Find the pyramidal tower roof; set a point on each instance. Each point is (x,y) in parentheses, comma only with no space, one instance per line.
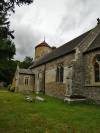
(44,43)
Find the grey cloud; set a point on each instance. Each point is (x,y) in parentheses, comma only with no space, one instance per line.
(80,14)
(29,23)
(26,39)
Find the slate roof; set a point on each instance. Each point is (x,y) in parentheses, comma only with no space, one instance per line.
(95,44)
(60,51)
(68,48)
(25,71)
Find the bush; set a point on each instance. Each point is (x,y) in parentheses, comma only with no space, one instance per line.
(11,88)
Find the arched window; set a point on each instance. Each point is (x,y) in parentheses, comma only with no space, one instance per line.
(26,80)
(96,71)
(97,68)
(59,73)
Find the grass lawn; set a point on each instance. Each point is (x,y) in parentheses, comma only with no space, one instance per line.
(52,116)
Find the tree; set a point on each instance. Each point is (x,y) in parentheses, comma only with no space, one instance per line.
(7,6)
(7,48)
(7,70)
(7,65)
(28,61)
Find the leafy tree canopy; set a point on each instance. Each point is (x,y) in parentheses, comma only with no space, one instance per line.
(7,6)
(28,61)
(7,48)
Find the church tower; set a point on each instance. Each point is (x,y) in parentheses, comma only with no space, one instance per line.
(41,50)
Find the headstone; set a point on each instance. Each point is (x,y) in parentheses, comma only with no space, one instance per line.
(28,98)
(40,99)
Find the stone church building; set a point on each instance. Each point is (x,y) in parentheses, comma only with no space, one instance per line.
(71,71)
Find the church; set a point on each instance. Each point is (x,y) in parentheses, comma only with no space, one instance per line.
(71,71)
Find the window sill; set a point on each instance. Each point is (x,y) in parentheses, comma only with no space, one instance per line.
(92,85)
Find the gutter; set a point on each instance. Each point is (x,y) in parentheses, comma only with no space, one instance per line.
(73,51)
(92,50)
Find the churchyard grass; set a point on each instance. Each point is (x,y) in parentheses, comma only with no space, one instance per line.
(51,116)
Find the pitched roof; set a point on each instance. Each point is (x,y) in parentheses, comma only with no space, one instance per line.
(60,51)
(95,44)
(42,44)
(25,71)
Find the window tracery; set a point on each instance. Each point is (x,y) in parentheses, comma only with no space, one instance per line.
(97,68)
(59,73)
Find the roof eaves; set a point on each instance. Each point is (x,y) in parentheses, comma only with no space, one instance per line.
(53,59)
(26,73)
(92,50)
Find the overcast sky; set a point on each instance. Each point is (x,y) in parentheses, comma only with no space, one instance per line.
(58,20)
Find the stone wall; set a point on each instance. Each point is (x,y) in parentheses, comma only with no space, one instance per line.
(41,51)
(56,89)
(83,82)
(89,68)
(92,92)
(91,88)
(21,84)
(77,77)
(52,66)
(52,87)
(82,76)
(38,71)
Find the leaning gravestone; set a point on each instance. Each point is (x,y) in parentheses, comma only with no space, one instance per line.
(40,99)
(28,98)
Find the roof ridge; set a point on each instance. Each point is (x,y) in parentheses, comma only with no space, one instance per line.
(88,40)
(75,38)
(62,50)
(25,71)
(67,43)
(94,45)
